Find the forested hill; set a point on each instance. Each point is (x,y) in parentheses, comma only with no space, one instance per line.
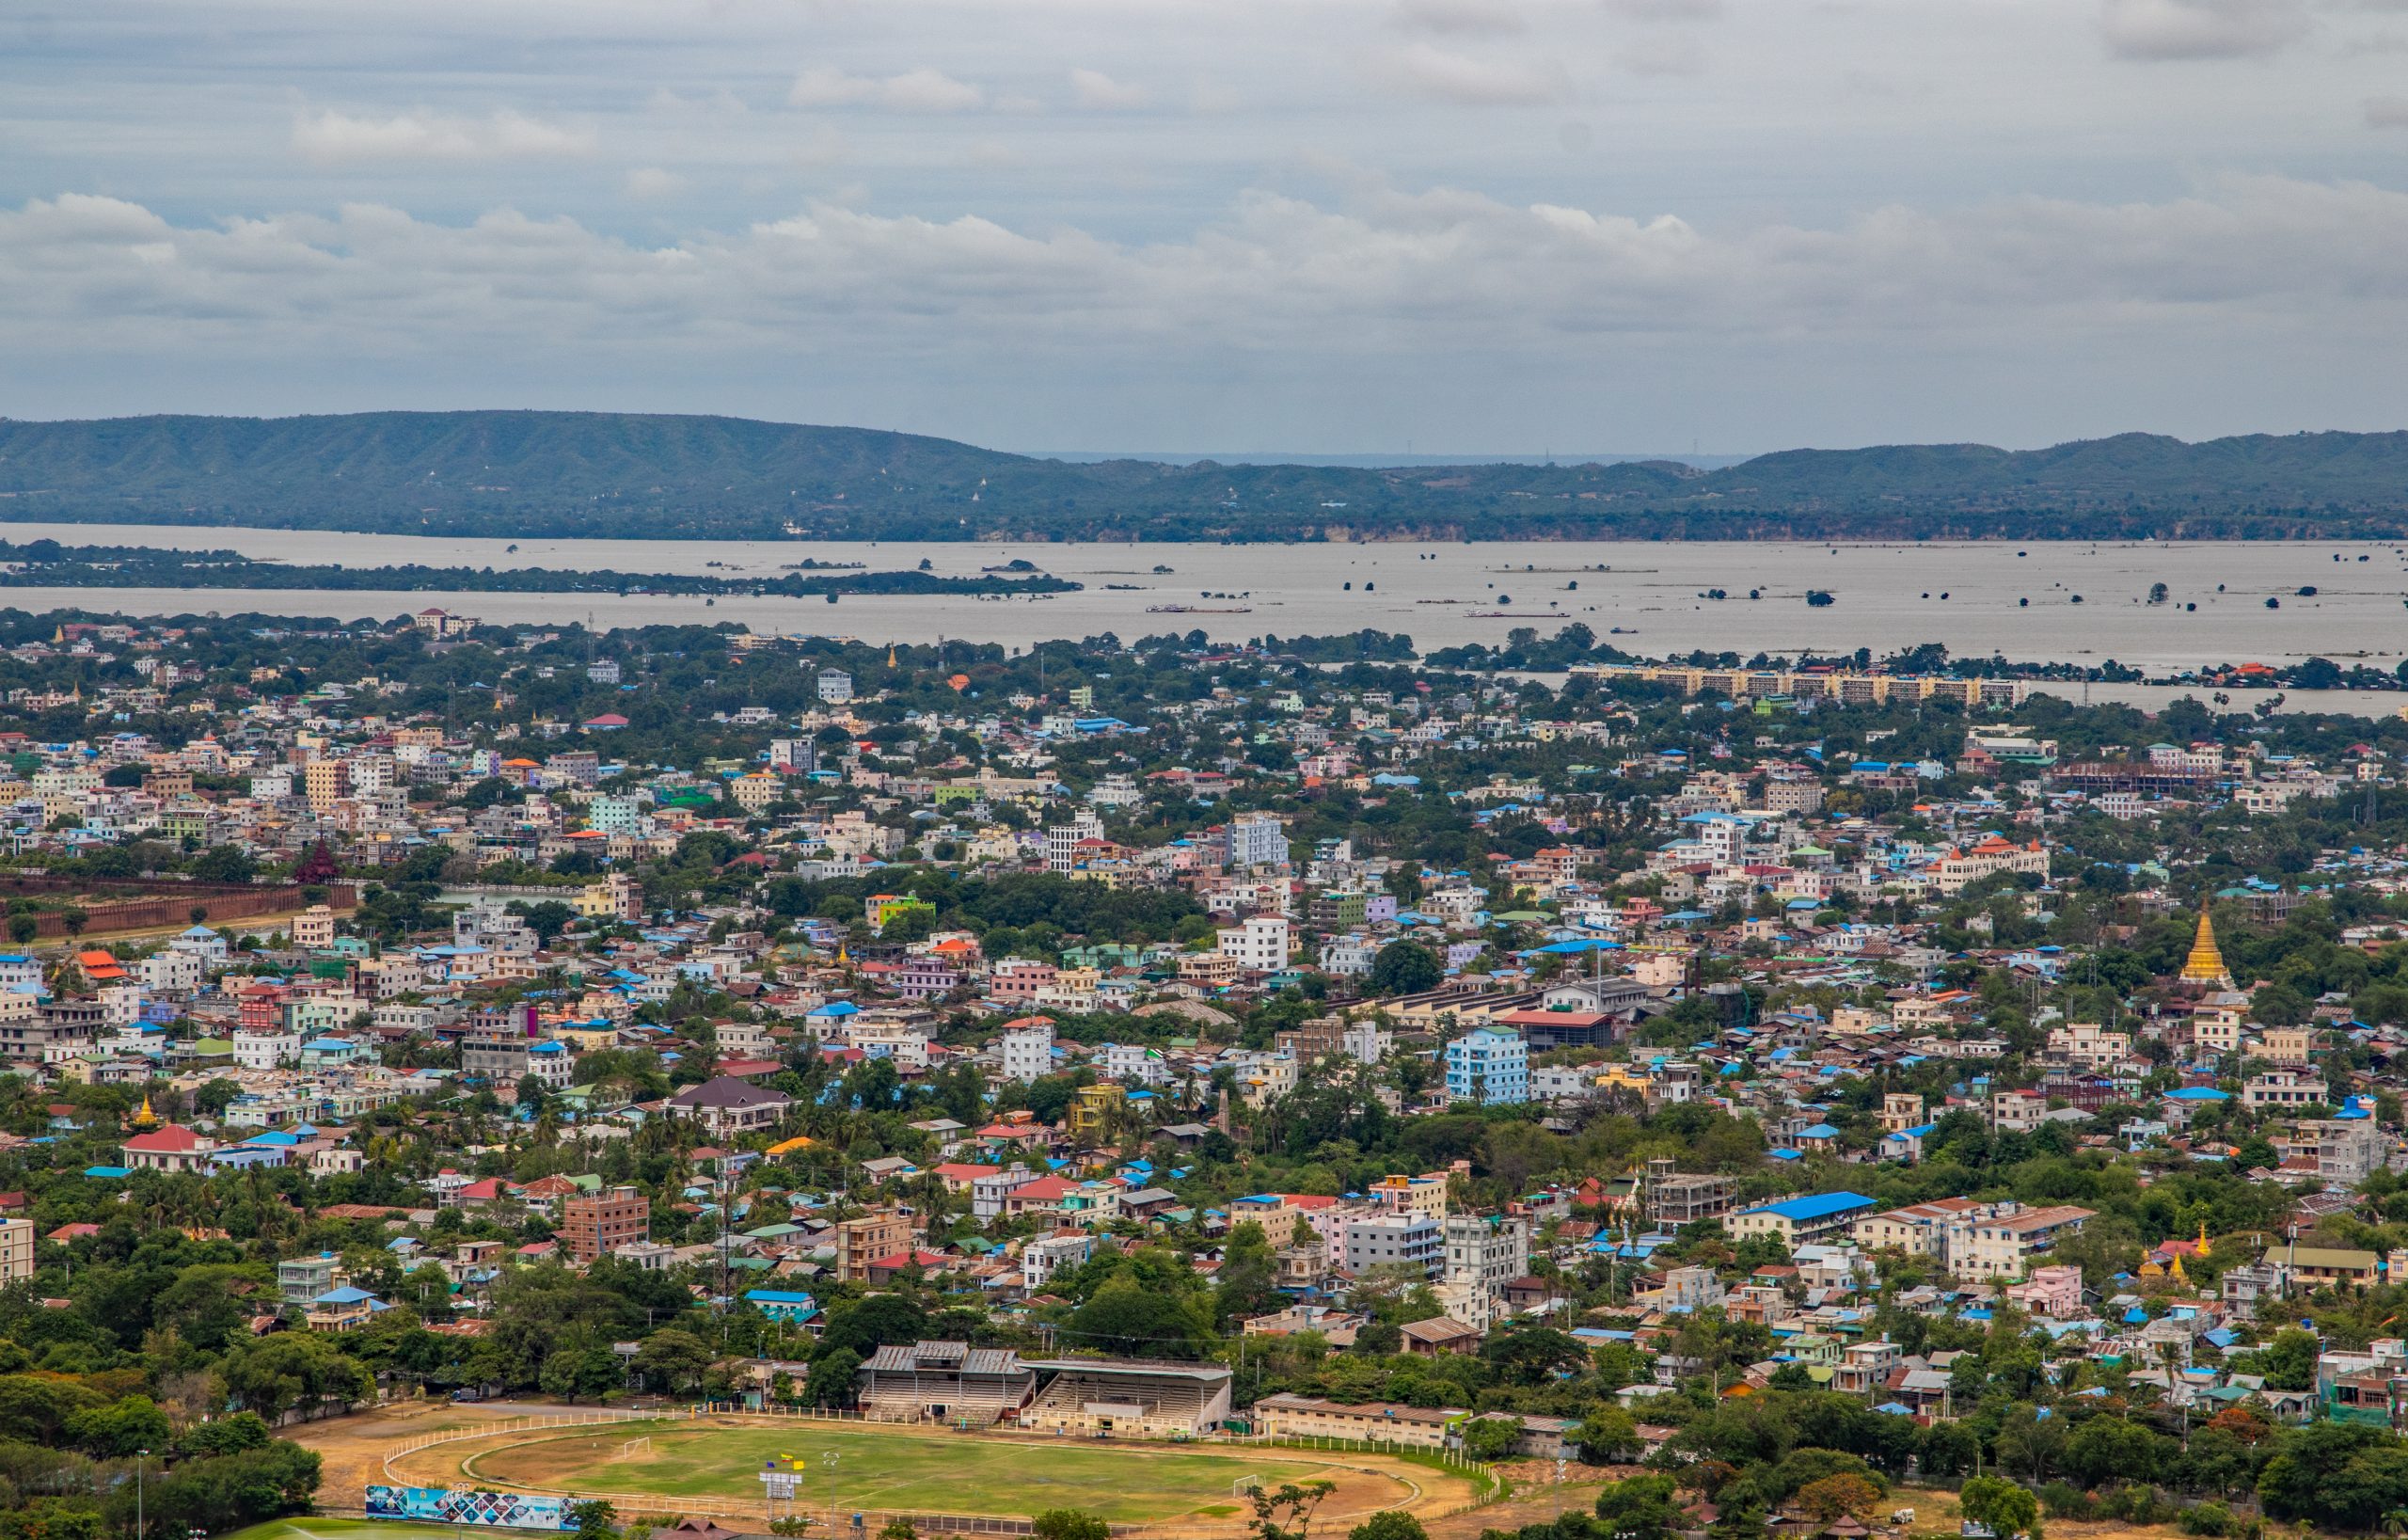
(593,473)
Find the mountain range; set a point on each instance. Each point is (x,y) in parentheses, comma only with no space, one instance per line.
(552,474)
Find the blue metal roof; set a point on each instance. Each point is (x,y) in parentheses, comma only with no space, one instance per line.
(1815,1206)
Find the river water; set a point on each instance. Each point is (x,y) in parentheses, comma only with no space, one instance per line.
(1978,598)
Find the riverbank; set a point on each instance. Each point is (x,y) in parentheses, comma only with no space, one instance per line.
(47,563)
(1979,599)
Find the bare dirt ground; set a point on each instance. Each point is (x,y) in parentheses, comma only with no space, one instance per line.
(354,1447)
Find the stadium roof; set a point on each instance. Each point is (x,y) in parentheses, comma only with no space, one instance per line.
(1128,1366)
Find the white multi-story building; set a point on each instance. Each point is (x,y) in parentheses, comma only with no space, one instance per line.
(1134,1064)
(1257,944)
(171,972)
(2005,1240)
(906,1045)
(2282,1089)
(1062,839)
(1483,1254)
(1028,1051)
(1364,1041)
(1256,839)
(1040,1259)
(988,1193)
(835,686)
(267,1047)
(1413,1239)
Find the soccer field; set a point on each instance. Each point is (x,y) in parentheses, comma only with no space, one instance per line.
(891,1469)
(315,1528)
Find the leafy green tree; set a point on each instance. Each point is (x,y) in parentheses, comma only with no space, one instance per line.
(1491,1438)
(2111,1450)
(50,1518)
(673,1359)
(1248,1282)
(869,1323)
(1127,1318)
(1608,1435)
(1405,967)
(1641,1508)
(1286,1512)
(1069,1524)
(1533,1355)
(832,1378)
(1389,1524)
(116,1431)
(2289,1361)
(294,1370)
(2001,1507)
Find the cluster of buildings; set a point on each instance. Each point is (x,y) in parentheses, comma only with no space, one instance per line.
(1712,904)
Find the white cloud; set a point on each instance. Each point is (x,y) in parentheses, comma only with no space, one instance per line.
(1666,10)
(1491,16)
(1429,70)
(2201,29)
(336,138)
(989,155)
(2387,111)
(1094,88)
(914,90)
(1662,54)
(651,182)
(1389,273)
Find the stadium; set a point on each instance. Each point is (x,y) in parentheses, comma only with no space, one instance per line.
(951,1437)
(965,1386)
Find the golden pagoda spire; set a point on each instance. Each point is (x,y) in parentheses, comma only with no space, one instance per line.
(890,654)
(2175,1272)
(2205,965)
(146,1118)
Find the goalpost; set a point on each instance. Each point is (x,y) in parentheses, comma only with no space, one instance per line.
(1246,1486)
(635,1446)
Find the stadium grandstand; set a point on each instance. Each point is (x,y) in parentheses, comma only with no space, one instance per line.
(944,1382)
(1128,1398)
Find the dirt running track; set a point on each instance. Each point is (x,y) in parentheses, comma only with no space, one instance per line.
(356,1449)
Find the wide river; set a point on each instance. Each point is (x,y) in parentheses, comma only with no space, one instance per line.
(1976,597)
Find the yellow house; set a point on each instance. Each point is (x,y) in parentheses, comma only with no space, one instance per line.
(1622,1077)
(1092,1109)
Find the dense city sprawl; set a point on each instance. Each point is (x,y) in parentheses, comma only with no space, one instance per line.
(1791,1099)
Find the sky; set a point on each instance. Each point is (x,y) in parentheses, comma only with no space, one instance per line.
(1319,226)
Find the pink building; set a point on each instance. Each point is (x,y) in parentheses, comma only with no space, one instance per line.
(2054,1292)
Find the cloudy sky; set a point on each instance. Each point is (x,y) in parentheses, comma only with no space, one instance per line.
(1312,225)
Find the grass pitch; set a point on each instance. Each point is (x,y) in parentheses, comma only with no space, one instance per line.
(314,1528)
(886,1468)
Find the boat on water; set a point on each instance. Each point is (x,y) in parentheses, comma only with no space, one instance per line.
(1196,609)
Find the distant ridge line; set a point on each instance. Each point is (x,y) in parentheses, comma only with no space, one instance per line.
(518,475)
